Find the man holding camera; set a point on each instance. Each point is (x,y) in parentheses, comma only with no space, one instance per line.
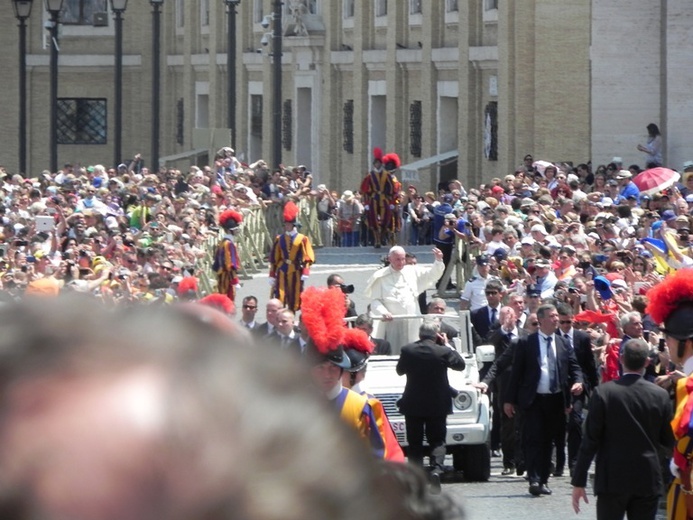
(335,280)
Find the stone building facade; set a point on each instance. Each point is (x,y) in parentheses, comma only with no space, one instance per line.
(472,84)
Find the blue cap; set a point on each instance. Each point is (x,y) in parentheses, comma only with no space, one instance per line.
(668,215)
(482,260)
(533,290)
(603,287)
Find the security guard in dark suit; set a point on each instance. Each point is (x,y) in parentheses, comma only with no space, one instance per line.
(426,401)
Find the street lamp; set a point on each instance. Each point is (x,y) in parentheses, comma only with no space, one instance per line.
(231,68)
(22,10)
(118,7)
(156,76)
(277,84)
(54,7)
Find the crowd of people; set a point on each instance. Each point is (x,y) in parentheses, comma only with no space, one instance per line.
(565,258)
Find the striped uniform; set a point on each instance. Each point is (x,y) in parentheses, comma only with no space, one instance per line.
(226,263)
(379,190)
(682,424)
(290,259)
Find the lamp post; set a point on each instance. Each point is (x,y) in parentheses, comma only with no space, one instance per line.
(277,84)
(118,7)
(54,7)
(156,77)
(231,69)
(22,10)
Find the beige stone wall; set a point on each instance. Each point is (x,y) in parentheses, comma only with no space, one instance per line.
(576,79)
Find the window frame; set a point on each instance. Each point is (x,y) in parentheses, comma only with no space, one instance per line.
(101,138)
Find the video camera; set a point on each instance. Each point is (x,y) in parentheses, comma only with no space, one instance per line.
(346,289)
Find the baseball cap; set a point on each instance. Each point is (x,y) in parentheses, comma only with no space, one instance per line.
(603,287)
(482,260)
(539,228)
(668,215)
(533,290)
(447,198)
(542,262)
(529,241)
(623,174)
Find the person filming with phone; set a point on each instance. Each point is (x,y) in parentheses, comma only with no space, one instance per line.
(426,401)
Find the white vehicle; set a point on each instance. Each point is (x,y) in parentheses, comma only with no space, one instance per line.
(468,427)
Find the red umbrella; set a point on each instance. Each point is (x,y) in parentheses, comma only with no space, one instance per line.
(655,180)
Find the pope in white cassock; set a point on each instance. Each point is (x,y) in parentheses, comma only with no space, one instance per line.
(394,290)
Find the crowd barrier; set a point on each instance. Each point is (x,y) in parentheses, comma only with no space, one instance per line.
(260,226)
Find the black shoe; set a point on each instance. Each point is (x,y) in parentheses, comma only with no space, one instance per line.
(434,479)
(520,470)
(534,489)
(507,471)
(558,473)
(544,490)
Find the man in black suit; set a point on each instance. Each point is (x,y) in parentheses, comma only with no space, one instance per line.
(544,374)
(271,309)
(382,346)
(497,378)
(484,319)
(426,401)
(438,306)
(285,335)
(627,428)
(248,312)
(581,344)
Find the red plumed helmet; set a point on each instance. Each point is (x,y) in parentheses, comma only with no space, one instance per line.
(220,302)
(391,161)
(186,285)
(378,154)
(290,212)
(671,304)
(322,314)
(357,339)
(229,219)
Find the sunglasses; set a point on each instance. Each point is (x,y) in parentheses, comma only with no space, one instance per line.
(565,322)
(250,307)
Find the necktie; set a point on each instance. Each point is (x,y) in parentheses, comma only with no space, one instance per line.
(493,315)
(551,358)
(567,338)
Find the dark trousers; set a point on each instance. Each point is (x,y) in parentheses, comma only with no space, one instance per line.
(435,429)
(520,448)
(559,443)
(497,424)
(575,419)
(543,419)
(615,506)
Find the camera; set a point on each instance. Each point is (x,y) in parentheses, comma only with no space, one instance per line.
(265,23)
(264,41)
(450,222)
(347,289)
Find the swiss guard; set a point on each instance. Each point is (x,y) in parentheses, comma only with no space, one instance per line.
(226,260)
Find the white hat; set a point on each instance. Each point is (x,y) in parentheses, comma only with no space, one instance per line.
(607,201)
(623,174)
(541,229)
(528,241)
(619,283)
(617,160)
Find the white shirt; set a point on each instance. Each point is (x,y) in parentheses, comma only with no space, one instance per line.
(543,387)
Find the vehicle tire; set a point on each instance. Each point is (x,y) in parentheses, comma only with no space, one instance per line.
(474,461)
